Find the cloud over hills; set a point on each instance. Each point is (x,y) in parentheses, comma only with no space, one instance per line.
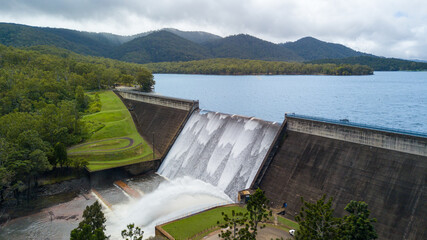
(388,28)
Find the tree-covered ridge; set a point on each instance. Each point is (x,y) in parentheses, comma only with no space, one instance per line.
(248,47)
(41,101)
(310,48)
(169,45)
(226,66)
(17,35)
(378,63)
(160,46)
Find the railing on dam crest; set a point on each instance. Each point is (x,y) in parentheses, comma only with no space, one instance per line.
(345,122)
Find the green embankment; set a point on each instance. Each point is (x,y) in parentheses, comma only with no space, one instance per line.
(287,223)
(203,223)
(188,227)
(114,140)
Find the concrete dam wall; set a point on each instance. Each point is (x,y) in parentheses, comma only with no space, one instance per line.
(223,150)
(158,118)
(386,170)
(304,157)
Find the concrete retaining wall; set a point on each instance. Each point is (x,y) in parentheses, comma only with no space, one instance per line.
(392,182)
(269,156)
(108,176)
(375,138)
(158,123)
(171,102)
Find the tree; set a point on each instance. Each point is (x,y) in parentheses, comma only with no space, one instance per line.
(92,226)
(316,220)
(132,233)
(259,211)
(358,225)
(127,79)
(60,154)
(145,79)
(82,101)
(232,224)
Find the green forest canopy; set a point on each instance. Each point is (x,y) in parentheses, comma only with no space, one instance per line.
(228,66)
(378,63)
(41,101)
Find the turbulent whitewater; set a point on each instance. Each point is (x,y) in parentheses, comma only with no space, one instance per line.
(223,150)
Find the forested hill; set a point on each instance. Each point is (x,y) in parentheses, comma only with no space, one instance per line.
(312,49)
(160,46)
(248,47)
(80,42)
(168,45)
(171,45)
(378,63)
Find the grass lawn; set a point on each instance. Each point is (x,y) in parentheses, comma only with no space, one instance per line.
(287,222)
(188,227)
(112,132)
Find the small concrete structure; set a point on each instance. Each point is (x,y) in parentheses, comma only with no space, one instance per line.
(165,101)
(244,196)
(130,191)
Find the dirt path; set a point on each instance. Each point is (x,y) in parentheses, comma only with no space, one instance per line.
(131,142)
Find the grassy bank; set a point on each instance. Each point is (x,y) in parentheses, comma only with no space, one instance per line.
(188,227)
(114,140)
(199,225)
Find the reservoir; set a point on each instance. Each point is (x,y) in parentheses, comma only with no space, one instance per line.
(387,99)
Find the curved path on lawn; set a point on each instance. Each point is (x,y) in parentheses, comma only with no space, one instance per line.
(131,142)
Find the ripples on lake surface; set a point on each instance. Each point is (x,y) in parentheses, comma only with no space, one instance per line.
(388,99)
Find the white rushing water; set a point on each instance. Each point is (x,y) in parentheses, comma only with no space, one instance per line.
(223,150)
(171,200)
(215,156)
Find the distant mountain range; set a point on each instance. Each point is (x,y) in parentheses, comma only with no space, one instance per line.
(169,45)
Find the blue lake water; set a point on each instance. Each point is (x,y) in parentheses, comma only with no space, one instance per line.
(388,99)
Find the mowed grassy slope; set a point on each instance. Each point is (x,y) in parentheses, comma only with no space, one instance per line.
(110,145)
(190,226)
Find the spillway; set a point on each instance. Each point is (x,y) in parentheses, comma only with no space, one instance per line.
(223,150)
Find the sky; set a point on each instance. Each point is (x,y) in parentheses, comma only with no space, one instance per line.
(389,28)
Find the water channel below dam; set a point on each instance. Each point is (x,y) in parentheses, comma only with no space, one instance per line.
(161,200)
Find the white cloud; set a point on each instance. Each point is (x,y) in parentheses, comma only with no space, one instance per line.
(392,28)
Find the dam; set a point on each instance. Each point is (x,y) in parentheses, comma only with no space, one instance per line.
(303,157)
(204,158)
(385,168)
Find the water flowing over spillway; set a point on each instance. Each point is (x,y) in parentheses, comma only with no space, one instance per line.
(214,157)
(223,150)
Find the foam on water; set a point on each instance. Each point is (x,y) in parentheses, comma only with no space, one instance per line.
(223,150)
(171,200)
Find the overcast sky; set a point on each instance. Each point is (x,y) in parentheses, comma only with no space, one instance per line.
(391,28)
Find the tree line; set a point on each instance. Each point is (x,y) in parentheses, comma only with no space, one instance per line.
(315,220)
(42,99)
(228,66)
(378,63)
